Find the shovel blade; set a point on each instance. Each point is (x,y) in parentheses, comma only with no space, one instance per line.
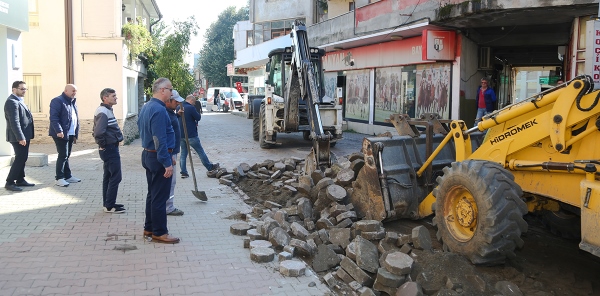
(201,195)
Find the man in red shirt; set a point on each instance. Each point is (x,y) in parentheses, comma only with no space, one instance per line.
(486,100)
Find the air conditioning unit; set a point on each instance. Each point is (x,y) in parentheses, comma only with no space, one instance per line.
(485,58)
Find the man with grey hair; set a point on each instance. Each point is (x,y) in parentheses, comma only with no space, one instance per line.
(107,134)
(485,99)
(158,141)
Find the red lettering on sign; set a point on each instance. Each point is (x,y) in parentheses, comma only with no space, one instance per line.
(596,77)
(597,41)
(597,32)
(597,50)
(597,68)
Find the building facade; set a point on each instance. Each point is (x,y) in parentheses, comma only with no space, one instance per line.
(416,57)
(13,25)
(84,46)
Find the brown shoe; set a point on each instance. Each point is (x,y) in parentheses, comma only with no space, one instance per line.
(147,233)
(165,239)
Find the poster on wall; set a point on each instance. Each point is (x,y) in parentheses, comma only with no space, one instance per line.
(394,92)
(357,95)
(433,89)
(330,84)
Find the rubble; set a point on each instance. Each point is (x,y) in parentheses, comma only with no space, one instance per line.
(309,216)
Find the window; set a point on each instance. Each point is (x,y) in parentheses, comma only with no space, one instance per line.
(132,100)
(34,13)
(33,95)
(350,6)
(268,30)
(275,76)
(249,38)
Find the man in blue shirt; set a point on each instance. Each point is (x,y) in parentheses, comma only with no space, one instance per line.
(191,117)
(158,141)
(64,130)
(175,100)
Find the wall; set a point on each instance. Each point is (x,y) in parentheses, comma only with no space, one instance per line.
(8,74)
(240,30)
(470,78)
(272,10)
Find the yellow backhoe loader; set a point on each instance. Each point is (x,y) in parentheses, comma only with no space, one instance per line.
(539,155)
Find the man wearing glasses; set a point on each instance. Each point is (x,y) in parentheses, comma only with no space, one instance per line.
(486,100)
(158,141)
(19,132)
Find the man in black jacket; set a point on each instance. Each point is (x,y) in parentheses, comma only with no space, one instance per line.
(19,132)
(108,135)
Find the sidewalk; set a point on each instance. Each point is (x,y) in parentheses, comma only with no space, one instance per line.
(58,241)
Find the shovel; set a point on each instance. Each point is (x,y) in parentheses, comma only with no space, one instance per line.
(201,195)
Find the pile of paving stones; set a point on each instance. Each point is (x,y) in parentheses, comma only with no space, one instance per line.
(317,223)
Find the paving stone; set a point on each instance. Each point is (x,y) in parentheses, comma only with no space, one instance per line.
(345,177)
(279,237)
(428,282)
(246,243)
(272,205)
(292,268)
(476,281)
(446,292)
(276,174)
(305,209)
(343,275)
(385,289)
(269,225)
(406,249)
(299,230)
(325,259)
(317,175)
(262,254)
(290,249)
(239,228)
(351,251)
(346,215)
(260,244)
(365,291)
(305,180)
(324,236)
(368,225)
(385,245)
(354,285)
(290,164)
(356,272)
(421,238)
(389,279)
(245,167)
(280,216)
(409,289)
(344,223)
(339,236)
(321,185)
(254,235)
(507,288)
(453,283)
(302,247)
(336,248)
(376,235)
(336,193)
(290,188)
(310,225)
(367,256)
(324,223)
(398,263)
(330,280)
(337,209)
(284,256)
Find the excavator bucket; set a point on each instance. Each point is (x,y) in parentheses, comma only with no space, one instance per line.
(387,187)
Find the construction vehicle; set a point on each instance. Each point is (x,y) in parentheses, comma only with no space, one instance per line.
(540,155)
(295,99)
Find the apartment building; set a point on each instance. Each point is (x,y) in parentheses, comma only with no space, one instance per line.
(80,42)
(415,57)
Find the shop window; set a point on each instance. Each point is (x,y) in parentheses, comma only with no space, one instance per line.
(433,89)
(357,105)
(394,92)
(33,95)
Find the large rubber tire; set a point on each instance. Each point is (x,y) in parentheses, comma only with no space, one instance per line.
(255,128)
(479,211)
(262,136)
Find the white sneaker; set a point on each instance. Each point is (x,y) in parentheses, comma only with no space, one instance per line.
(61,183)
(73,180)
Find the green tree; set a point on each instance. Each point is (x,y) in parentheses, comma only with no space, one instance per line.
(169,60)
(217,50)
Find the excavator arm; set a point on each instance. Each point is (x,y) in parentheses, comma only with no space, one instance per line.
(303,83)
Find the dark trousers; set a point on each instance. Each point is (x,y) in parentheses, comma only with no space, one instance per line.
(158,194)
(63,147)
(17,169)
(112,174)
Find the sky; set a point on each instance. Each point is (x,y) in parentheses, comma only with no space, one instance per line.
(205,12)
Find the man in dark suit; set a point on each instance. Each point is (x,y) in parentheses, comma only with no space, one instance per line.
(19,132)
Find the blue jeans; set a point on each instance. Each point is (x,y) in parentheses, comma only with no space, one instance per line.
(158,194)
(194,143)
(170,206)
(112,174)
(480,113)
(63,147)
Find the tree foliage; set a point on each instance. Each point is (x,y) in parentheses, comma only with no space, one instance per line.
(169,59)
(217,50)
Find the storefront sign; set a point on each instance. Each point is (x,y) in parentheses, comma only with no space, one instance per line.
(438,45)
(592,51)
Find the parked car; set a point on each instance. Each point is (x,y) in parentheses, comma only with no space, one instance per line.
(230,96)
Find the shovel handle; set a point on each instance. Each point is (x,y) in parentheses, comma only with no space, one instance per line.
(187,144)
